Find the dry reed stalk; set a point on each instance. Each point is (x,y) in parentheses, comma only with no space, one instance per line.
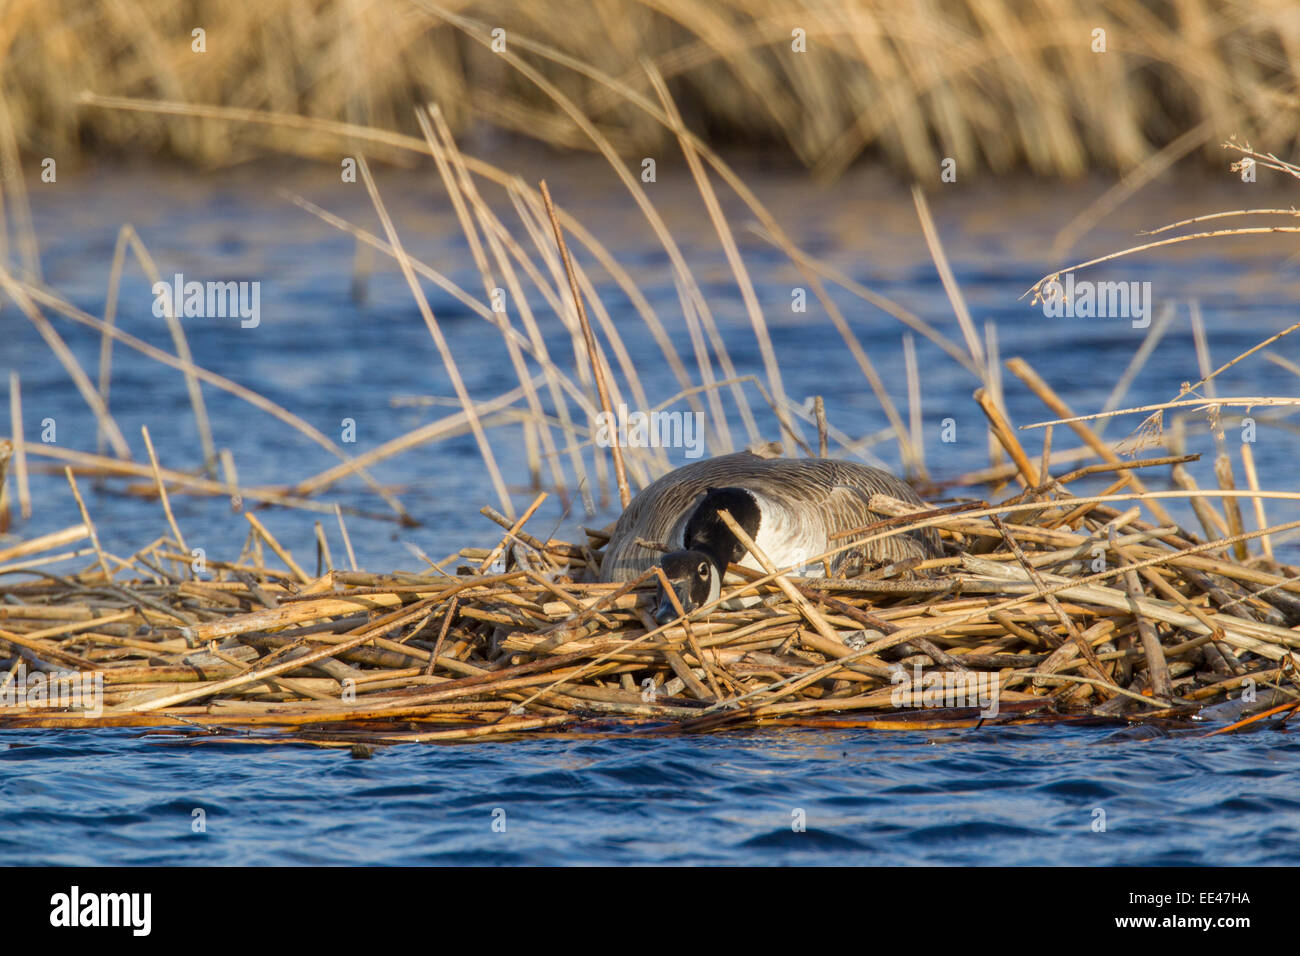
(231,475)
(1140,357)
(1001,430)
(162,489)
(536,221)
(20,447)
(593,352)
(211,378)
(917,443)
(11,182)
(512,532)
(819,409)
(6,453)
(728,241)
(1222,463)
(993,379)
(692,299)
(90,525)
(459,190)
(1252,479)
(538,346)
(443,427)
(1045,460)
(949,281)
(19,293)
(524,200)
(435,331)
(1211,522)
(90,464)
(483,169)
(182,352)
(45,542)
(110,317)
(829,642)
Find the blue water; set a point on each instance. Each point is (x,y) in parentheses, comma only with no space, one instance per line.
(1027,795)
(1006,795)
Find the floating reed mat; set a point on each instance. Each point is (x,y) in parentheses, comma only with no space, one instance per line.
(1046,607)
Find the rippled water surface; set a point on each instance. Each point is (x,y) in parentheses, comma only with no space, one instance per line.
(1011,795)
(1005,796)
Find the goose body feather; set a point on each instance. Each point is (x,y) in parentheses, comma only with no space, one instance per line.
(802,502)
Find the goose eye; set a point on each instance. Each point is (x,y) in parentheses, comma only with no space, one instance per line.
(703,570)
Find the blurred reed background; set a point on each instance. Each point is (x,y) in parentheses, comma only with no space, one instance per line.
(998,85)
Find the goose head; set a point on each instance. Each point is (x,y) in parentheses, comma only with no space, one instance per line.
(695,580)
(695,572)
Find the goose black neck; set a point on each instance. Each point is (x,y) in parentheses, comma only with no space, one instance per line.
(708,533)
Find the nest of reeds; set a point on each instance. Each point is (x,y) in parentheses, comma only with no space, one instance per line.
(1048,606)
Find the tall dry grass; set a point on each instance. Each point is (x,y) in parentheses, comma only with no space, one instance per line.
(995,84)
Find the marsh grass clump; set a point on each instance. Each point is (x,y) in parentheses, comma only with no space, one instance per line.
(1058,87)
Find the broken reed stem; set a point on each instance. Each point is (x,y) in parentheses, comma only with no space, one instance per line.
(1006,437)
(598,368)
(511,532)
(281,552)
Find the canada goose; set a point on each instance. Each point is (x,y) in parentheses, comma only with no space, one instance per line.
(789,507)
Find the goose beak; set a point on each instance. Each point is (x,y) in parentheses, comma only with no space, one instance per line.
(664,610)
